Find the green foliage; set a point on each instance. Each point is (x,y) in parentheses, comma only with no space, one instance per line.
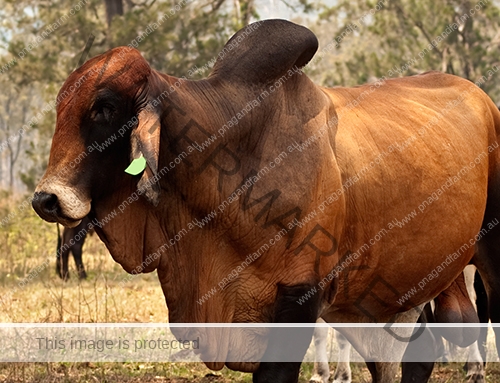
(178,42)
(394,39)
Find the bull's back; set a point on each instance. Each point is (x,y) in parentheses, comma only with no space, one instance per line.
(414,156)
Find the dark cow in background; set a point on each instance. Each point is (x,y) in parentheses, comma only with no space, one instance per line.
(71,241)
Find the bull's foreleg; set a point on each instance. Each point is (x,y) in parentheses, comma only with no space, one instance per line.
(293,342)
(419,357)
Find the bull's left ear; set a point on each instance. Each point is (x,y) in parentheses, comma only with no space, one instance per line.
(145,141)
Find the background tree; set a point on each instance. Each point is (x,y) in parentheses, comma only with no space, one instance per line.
(395,32)
(113,8)
(16,104)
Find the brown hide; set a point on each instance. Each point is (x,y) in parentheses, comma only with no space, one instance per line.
(413,162)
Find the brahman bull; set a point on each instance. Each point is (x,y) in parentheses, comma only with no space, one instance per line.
(278,200)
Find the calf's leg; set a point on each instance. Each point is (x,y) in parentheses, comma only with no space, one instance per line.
(343,370)
(321,371)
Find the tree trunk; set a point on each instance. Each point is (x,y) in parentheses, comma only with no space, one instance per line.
(113,8)
(248,8)
(11,175)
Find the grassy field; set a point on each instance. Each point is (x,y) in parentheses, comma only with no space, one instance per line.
(27,245)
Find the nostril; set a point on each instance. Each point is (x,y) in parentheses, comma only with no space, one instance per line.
(45,204)
(50,203)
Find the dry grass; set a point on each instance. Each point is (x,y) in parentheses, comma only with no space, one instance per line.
(26,243)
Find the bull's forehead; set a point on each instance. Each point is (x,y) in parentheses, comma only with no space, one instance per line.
(122,69)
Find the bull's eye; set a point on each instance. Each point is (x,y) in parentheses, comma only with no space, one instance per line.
(102,113)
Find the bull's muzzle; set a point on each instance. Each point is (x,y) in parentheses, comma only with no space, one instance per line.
(56,202)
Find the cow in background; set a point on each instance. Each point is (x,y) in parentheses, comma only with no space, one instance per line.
(71,241)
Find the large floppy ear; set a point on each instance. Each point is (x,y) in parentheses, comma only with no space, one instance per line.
(145,142)
(264,51)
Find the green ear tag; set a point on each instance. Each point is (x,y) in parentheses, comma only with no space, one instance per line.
(136,166)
